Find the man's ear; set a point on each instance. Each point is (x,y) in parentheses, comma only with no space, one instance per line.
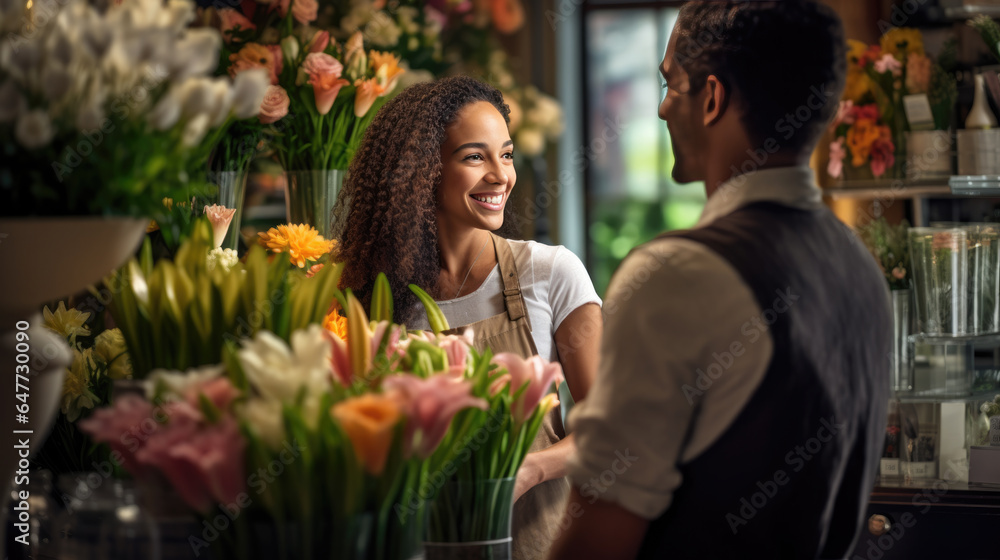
(716,100)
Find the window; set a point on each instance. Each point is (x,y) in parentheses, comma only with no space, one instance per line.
(630,197)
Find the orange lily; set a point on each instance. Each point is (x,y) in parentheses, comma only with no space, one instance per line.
(369,422)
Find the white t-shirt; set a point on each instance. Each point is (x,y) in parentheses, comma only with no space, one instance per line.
(553,281)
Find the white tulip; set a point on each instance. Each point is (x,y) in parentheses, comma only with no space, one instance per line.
(177,14)
(249,88)
(167,110)
(194,130)
(56,82)
(12,103)
(59,49)
(97,39)
(20,59)
(34,129)
(197,96)
(221,101)
(196,54)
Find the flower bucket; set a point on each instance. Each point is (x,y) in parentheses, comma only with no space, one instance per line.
(471,520)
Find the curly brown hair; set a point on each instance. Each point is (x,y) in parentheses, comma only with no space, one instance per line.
(390,193)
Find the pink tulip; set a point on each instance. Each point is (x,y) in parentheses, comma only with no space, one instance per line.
(429,405)
(324,75)
(125,426)
(320,40)
(231,20)
(536,373)
(277,59)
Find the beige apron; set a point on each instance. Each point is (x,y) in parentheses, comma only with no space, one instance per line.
(538,512)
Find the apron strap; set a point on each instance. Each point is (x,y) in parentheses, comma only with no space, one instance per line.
(512,299)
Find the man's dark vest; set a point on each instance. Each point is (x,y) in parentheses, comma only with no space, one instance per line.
(790,478)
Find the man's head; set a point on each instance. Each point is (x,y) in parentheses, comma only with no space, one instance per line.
(763,78)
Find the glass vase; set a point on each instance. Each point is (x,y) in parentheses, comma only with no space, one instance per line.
(232,191)
(901,327)
(940,262)
(310,196)
(103,519)
(471,520)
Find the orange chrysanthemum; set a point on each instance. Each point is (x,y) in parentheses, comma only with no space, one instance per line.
(302,242)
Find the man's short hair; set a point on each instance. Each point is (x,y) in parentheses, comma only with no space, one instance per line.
(783,62)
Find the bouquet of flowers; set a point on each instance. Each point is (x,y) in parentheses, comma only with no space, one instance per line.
(890,246)
(318,445)
(871,122)
(109,111)
(98,360)
(177,314)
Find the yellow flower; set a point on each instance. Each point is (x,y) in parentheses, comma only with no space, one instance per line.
(70,323)
(858,83)
(110,346)
(901,41)
(76,393)
(369,422)
(302,242)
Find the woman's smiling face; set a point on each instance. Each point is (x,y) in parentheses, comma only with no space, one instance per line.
(477,168)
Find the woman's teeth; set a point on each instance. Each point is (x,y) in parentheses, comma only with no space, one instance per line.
(489,199)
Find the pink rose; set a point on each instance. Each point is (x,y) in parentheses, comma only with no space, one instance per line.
(324,75)
(304,11)
(275,105)
(231,20)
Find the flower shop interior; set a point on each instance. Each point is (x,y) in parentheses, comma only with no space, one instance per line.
(160,393)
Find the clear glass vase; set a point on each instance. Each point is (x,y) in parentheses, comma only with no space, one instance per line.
(471,520)
(232,191)
(902,319)
(310,196)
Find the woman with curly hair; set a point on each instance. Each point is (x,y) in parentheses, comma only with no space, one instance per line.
(426,190)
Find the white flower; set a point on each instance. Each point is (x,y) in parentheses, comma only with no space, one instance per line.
(167,111)
(382,31)
(197,96)
(278,372)
(264,418)
(34,129)
(12,103)
(406,16)
(177,14)
(357,17)
(194,130)
(59,49)
(20,59)
(221,101)
(249,88)
(411,77)
(196,54)
(516,113)
(225,259)
(290,49)
(171,385)
(530,141)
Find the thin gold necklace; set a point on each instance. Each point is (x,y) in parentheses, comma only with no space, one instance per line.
(471,267)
